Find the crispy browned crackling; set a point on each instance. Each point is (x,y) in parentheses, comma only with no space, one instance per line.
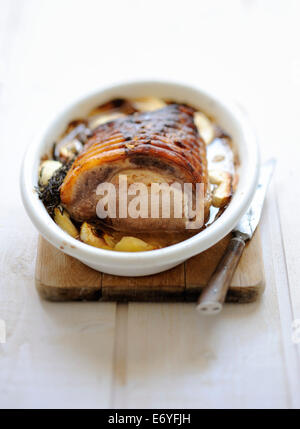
(164,143)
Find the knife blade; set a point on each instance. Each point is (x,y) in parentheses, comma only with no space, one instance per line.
(213,295)
(248,223)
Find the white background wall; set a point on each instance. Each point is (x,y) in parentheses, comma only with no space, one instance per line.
(95,355)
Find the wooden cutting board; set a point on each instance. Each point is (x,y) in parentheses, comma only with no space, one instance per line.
(60,277)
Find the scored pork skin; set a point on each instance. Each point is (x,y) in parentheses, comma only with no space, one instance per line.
(164,141)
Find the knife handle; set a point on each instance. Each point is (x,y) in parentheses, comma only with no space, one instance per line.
(213,295)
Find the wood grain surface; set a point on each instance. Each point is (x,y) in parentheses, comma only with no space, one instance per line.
(60,277)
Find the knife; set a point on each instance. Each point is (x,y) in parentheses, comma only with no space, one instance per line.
(213,295)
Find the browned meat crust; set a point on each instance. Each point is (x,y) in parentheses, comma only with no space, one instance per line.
(165,141)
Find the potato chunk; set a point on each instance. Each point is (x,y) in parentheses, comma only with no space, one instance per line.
(148,104)
(46,171)
(88,236)
(222,193)
(64,222)
(132,244)
(109,240)
(102,119)
(204,126)
(126,244)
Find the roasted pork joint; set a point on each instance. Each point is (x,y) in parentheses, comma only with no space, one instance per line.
(161,146)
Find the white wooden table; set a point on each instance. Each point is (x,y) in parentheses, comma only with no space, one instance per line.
(150,355)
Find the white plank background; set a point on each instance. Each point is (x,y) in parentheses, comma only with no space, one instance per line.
(150,355)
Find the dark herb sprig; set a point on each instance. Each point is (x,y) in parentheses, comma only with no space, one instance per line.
(49,194)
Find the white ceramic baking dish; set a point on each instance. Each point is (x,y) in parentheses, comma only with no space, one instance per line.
(226,114)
